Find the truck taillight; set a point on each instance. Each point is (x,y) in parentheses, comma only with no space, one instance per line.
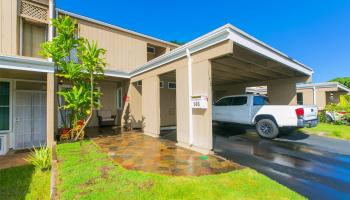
(299,112)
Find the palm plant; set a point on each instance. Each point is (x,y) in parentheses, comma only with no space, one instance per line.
(81,63)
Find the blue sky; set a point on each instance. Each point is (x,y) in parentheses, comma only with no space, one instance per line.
(314,32)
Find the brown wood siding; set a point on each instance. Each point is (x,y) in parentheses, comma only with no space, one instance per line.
(8,27)
(33,36)
(125,51)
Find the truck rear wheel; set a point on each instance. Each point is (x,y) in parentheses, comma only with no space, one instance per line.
(267,128)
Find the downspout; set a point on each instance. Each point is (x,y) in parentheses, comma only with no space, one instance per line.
(51,16)
(189,72)
(314,94)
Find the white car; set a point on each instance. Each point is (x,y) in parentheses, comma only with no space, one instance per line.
(268,119)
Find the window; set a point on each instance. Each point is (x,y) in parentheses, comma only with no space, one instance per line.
(151,50)
(139,83)
(32,37)
(238,101)
(119,98)
(171,85)
(260,101)
(161,84)
(300,98)
(4,106)
(224,102)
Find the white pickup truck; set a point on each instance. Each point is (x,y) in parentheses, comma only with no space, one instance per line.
(268,119)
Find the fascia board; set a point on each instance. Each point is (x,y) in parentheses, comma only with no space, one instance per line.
(254,45)
(26,64)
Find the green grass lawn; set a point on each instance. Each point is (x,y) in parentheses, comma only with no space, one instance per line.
(24,182)
(330,130)
(87,173)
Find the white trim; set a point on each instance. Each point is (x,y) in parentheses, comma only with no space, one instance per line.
(10,105)
(323,85)
(189,74)
(139,83)
(227,32)
(161,84)
(113,26)
(267,51)
(169,85)
(117,74)
(167,128)
(26,64)
(238,32)
(195,45)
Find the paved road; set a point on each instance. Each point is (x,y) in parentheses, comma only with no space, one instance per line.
(316,167)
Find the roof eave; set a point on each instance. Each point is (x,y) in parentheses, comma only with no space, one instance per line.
(26,64)
(227,32)
(250,42)
(64,12)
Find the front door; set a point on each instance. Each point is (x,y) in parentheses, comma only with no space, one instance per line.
(30,119)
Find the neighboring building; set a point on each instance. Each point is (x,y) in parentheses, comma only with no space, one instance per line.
(320,94)
(150,82)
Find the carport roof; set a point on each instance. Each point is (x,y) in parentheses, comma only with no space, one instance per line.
(324,85)
(226,32)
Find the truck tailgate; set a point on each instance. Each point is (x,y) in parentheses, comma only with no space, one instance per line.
(310,112)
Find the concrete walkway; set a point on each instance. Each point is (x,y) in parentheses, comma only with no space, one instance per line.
(13,159)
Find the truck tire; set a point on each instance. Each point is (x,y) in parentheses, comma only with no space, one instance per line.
(329,119)
(267,128)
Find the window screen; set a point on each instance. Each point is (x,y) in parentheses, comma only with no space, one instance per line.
(4,106)
(33,36)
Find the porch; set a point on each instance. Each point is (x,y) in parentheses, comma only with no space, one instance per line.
(137,151)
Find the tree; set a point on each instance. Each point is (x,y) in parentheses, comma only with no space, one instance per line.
(80,63)
(343,80)
(177,42)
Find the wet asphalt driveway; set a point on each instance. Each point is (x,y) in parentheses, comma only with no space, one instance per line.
(316,167)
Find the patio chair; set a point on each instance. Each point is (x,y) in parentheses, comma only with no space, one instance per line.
(105,118)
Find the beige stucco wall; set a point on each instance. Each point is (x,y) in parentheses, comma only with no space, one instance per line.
(8,27)
(201,74)
(322,96)
(308,95)
(150,105)
(202,118)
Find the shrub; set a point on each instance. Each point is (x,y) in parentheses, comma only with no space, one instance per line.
(41,158)
(322,117)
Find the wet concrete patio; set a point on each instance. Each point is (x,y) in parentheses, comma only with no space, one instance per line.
(136,151)
(14,159)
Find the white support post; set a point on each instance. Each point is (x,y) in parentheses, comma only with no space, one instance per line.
(52,13)
(189,66)
(51,16)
